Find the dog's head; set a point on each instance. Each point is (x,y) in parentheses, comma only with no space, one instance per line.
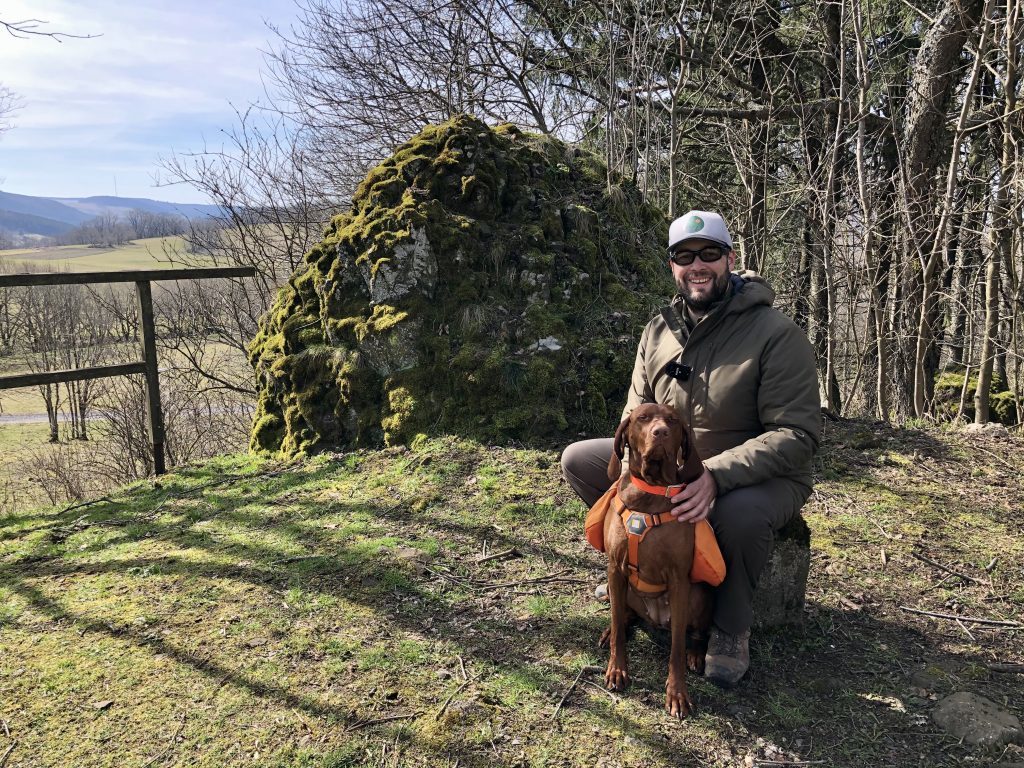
(658,445)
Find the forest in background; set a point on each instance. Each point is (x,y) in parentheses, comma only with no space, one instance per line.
(865,152)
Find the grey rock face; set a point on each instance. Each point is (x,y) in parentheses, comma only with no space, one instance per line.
(394,351)
(977,720)
(779,598)
(413,267)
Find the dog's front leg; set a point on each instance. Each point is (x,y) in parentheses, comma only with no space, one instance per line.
(616,678)
(677,700)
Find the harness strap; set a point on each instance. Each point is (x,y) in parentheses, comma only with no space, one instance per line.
(637,525)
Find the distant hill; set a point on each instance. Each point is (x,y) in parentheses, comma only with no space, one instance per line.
(29,224)
(47,216)
(25,214)
(95,206)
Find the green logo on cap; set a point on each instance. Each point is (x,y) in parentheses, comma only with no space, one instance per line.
(696,224)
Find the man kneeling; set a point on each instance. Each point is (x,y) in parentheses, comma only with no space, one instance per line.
(742,374)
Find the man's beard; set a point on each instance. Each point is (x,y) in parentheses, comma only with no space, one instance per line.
(719,287)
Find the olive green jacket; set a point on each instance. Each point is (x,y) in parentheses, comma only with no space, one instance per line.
(751,398)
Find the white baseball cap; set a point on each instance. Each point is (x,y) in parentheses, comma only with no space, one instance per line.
(702,225)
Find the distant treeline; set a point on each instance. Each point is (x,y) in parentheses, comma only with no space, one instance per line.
(110,230)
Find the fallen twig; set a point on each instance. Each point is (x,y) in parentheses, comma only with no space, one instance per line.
(448,701)
(85,504)
(3,760)
(364,723)
(7,731)
(878,525)
(1009,668)
(966,631)
(947,569)
(788,762)
(997,457)
(296,558)
(170,746)
(970,619)
(583,670)
(556,576)
(938,583)
(498,555)
(603,690)
(478,586)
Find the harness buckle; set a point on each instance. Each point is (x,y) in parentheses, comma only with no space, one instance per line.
(672,490)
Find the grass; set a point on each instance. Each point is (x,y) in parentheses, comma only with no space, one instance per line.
(333,613)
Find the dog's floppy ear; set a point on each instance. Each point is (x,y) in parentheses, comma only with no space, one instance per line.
(690,467)
(615,464)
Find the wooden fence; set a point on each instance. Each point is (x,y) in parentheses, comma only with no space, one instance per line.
(147,366)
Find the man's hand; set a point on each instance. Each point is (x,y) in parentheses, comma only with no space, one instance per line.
(694,501)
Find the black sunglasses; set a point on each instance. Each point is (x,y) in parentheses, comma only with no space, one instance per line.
(708,254)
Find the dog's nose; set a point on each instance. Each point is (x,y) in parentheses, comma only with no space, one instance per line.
(661,430)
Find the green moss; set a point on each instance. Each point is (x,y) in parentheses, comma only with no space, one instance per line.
(1003,406)
(949,386)
(421,309)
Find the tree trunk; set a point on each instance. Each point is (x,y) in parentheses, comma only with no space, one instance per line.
(933,80)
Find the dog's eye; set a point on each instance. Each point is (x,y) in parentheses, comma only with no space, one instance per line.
(644,417)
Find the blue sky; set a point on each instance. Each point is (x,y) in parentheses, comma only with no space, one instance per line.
(161,78)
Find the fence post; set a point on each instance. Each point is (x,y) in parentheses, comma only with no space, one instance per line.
(156,416)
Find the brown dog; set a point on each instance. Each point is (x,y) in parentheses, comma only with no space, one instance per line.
(660,454)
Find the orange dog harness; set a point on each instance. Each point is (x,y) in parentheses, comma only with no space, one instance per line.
(708,564)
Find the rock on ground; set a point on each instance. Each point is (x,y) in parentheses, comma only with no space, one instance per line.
(977,720)
(779,598)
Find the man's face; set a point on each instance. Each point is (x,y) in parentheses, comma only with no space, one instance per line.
(702,284)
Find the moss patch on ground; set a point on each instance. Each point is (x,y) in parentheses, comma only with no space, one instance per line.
(338,612)
(482,284)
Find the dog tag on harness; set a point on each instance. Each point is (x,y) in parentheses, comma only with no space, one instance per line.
(636,524)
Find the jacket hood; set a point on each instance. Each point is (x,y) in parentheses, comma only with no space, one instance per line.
(749,289)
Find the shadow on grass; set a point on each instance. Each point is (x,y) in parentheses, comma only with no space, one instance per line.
(837,689)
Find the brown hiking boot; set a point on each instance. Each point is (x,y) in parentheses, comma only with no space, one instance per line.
(728,657)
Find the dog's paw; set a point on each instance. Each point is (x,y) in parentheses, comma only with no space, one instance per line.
(677,703)
(616,678)
(695,662)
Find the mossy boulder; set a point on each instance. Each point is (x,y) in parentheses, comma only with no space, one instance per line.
(486,282)
(949,385)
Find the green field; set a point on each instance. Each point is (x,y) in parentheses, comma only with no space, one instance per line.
(140,254)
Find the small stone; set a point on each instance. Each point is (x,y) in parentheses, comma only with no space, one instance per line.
(740,710)
(991,429)
(977,720)
(930,678)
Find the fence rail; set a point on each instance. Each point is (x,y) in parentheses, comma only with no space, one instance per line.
(148,365)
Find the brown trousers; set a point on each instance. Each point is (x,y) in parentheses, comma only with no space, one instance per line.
(744,520)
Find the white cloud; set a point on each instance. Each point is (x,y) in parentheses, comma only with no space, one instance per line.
(160,75)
